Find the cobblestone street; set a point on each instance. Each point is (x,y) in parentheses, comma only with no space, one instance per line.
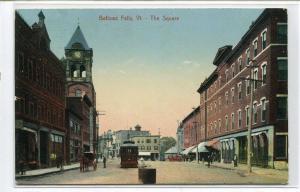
(167,173)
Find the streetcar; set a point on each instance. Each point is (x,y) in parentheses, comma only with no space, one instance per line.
(129,155)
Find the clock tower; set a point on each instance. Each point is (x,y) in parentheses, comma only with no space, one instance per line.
(79,62)
(79,84)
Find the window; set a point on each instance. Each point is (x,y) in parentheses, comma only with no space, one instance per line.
(264,39)
(220,125)
(282,107)
(232,95)
(240,64)
(155,147)
(226,97)
(248,86)
(255,77)
(263,110)
(233,70)
(226,76)
(264,74)
(248,56)
(220,103)
(282,69)
(215,106)
(78,93)
(226,122)
(281,146)
(148,140)
(247,116)
(232,120)
(255,48)
(240,91)
(240,118)
(215,126)
(282,33)
(254,113)
(154,140)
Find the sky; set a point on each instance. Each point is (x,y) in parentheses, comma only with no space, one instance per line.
(147,71)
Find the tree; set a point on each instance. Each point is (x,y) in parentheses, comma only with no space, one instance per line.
(166,143)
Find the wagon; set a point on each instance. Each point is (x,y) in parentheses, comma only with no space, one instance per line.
(88,159)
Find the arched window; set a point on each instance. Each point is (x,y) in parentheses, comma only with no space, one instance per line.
(73,71)
(82,71)
(78,93)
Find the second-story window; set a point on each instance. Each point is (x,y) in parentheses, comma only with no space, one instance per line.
(263,110)
(239,118)
(254,113)
(247,116)
(226,122)
(232,121)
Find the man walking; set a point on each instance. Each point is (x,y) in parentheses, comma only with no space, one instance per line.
(104,162)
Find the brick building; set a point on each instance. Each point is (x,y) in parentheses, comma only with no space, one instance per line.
(40,96)
(77,126)
(225,95)
(191,129)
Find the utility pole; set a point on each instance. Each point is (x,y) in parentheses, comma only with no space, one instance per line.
(251,81)
(195,127)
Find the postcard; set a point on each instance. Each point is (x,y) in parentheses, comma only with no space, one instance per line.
(185,96)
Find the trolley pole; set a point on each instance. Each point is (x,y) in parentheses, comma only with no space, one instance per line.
(251,81)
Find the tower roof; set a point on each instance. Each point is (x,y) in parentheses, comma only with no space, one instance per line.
(78,37)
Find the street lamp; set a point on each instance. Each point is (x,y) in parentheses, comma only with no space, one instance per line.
(251,80)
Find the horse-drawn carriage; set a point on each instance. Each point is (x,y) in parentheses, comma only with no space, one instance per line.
(88,159)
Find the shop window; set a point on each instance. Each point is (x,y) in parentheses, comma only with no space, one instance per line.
(282,33)
(281,146)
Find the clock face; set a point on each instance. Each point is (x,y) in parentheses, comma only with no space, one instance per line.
(77,54)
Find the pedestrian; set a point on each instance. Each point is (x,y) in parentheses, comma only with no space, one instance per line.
(235,160)
(104,162)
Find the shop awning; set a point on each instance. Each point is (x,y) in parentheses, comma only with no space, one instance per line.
(144,153)
(215,144)
(188,150)
(201,148)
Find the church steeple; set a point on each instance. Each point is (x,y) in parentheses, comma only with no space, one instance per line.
(41,18)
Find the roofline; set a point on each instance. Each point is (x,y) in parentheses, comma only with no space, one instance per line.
(191,114)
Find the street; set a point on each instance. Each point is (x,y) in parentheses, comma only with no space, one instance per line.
(167,173)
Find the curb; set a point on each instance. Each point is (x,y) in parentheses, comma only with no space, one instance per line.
(43,174)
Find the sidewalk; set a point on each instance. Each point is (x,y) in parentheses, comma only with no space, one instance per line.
(242,170)
(40,172)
